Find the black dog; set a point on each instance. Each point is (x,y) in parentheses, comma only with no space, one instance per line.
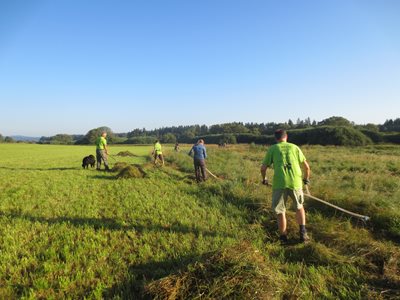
(88,160)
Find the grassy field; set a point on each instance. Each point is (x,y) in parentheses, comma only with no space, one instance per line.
(71,233)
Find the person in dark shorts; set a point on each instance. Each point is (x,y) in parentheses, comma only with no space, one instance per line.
(102,151)
(199,156)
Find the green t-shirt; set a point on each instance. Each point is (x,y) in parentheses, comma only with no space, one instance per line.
(286,159)
(157,148)
(101,143)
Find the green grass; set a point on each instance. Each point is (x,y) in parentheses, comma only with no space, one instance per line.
(71,233)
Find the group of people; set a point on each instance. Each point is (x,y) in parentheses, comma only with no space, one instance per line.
(199,153)
(291,171)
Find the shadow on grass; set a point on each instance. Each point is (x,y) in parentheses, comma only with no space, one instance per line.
(133,287)
(113,225)
(224,192)
(42,169)
(234,272)
(105,177)
(227,195)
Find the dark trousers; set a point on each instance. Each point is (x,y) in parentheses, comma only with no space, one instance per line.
(101,156)
(200,169)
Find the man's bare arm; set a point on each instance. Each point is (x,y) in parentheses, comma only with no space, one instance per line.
(264,174)
(306,171)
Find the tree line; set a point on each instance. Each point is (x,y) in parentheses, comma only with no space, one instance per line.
(7,139)
(331,131)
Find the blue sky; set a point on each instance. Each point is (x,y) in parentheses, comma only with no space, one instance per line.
(70,66)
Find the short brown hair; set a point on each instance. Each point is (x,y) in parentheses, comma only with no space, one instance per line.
(280,133)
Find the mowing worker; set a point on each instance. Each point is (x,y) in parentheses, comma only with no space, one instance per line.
(157,152)
(102,151)
(200,154)
(287,160)
(176,148)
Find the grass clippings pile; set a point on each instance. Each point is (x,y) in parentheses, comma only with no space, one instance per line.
(118,166)
(126,153)
(131,171)
(240,272)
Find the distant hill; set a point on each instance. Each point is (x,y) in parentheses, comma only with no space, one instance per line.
(22,138)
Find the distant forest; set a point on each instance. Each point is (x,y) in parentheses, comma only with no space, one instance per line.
(330,131)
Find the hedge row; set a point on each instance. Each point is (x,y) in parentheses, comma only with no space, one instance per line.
(325,135)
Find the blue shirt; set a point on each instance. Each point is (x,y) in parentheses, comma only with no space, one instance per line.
(199,151)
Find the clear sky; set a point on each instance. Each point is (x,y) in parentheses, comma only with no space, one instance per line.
(70,66)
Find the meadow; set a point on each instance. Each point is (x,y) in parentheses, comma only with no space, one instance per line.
(70,233)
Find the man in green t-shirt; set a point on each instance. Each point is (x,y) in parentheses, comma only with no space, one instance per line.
(287,160)
(102,151)
(157,152)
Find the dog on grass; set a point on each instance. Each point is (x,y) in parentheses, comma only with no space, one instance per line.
(88,160)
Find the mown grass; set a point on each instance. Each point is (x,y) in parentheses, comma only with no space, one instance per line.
(71,233)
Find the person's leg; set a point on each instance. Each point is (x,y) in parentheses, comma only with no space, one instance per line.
(197,170)
(104,158)
(203,170)
(282,224)
(301,216)
(98,159)
(162,158)
(298,197)
(278,205)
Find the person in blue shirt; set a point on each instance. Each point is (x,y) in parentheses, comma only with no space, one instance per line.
(199,155)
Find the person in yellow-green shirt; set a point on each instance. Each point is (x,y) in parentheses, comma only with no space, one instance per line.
(157,152)
(288,161)
(102,151)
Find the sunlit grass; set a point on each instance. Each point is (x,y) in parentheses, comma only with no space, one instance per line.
(66,232)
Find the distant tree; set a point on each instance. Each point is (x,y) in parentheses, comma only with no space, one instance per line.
(369,126)
(203,129)
(169,138)
(76,137)
(61,139)
(330,135)
(8,139)
(375,136)
(282,126)
(391,125)
(121,135)
(1,138)
(235,127)
(93,134)
(144,140)
(44,140)
(228,139)
(135,132)
(58,139)
(187,136)
(255,131)
(216,129)
(290,123)
(335,121)
(197,130)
